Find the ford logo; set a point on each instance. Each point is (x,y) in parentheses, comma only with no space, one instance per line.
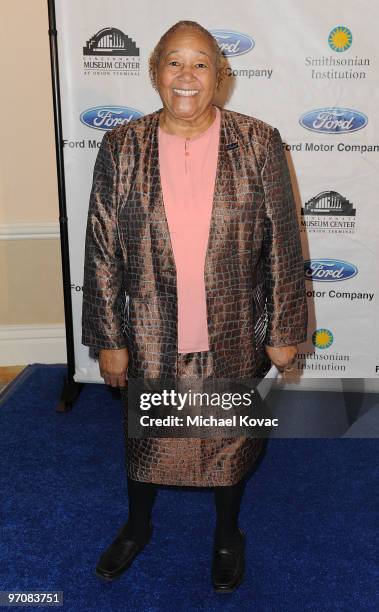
(233,43)
(333,120)
(108,117)
(328,270)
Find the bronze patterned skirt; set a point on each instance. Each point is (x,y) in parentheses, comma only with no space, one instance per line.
(190,461)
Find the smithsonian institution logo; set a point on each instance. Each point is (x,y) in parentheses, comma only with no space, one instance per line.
(111,52)
(323,360)
(340,39)
(322,338)
(336,66)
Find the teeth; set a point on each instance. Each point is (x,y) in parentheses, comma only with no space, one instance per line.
(186,92)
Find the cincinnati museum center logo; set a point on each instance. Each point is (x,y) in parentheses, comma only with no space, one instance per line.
(330,212)
(111,52)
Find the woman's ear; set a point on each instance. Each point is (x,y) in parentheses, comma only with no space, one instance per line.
(153,71)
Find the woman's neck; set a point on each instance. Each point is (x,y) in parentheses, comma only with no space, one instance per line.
(186,128)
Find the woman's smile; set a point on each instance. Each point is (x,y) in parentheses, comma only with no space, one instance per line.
(185,92)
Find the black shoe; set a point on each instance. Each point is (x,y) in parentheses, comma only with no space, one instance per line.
(228,566)
(119,556)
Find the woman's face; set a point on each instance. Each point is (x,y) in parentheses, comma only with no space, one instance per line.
(187,76)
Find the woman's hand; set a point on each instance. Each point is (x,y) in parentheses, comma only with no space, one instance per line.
(282,356)
(113,364)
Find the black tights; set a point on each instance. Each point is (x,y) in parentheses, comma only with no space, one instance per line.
(227,503)
(141,497)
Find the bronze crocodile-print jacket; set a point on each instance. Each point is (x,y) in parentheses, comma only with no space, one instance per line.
(254,277)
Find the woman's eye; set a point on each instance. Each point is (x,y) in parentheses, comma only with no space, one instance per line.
(200,65)
(173,63)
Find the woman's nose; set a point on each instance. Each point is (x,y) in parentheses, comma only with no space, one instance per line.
(186,73)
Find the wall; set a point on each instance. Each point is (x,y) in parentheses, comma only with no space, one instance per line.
(32,301)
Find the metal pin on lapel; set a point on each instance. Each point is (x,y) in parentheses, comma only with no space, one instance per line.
(231,146)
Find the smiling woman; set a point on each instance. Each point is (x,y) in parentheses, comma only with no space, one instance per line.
(175,194)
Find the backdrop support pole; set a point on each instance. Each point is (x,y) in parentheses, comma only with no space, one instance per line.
(71,388)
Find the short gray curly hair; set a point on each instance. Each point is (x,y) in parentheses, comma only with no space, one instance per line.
(156,54)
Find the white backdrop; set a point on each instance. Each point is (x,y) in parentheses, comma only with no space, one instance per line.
(287,59)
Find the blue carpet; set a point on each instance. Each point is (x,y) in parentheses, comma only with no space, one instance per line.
(308,513)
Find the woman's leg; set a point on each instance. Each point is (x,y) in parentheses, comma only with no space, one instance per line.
(228,501)
(141,497)
(133,536)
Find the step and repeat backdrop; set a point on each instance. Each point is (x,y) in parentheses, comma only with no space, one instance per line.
(307,69)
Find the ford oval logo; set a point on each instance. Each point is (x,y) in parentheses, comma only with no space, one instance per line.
(333,120)
(108,117)
(329,270)
(233,43)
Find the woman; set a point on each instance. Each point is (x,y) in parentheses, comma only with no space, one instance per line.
(192,217)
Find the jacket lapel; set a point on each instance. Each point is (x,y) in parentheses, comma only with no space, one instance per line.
(159,229)
(226,165)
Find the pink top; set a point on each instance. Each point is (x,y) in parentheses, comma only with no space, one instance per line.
(188,172)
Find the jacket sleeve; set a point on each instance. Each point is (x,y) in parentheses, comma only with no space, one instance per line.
(103,284)
(283,261)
